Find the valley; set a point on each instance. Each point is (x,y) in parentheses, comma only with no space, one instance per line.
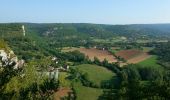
(71,61)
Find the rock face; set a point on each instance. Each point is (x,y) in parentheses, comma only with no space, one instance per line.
(23,29)
(9,59)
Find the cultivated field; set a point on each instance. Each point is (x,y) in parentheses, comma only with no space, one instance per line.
(152,61)
(139,58)
(92,52)
(96,74)
(128,54)
(100,54)
(68,49)
(87,93)
(133,56)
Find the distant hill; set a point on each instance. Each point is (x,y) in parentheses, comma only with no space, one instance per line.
(99,30)
(43,39)
(10,30)
(86,30)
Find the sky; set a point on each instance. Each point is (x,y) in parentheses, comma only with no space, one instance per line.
(85,11)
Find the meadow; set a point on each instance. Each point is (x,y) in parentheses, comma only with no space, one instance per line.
(96,74)
(87,93)
(152,61)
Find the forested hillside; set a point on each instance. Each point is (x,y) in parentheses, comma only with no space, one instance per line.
(132,61)
(102,31)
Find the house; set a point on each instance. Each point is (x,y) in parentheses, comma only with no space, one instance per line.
(55,59)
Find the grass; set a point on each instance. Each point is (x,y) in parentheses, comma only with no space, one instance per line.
(82,92)
(87,93)
(147,49)
(96,74)
(64,82)
(152,61)
(68,49)
(111,40)
(113,51)
(143,41)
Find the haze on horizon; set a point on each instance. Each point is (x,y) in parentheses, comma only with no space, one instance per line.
(85,11)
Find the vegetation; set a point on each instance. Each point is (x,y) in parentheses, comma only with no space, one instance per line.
(18,85)
(152,61)
(87,93)
(95,74)
(88,79)
(63,80)
(162,50)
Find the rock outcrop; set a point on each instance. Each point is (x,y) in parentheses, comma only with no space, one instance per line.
(10,59)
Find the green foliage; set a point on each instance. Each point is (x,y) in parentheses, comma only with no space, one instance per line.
(64,79)
(96,61)
(163,52)
(132,87)
(75,56)
(3,45)
(44,40)
(25,84)
(12,29)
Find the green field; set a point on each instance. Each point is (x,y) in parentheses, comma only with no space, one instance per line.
(111,40)
(147,49)
(152,61)
(87,93)
(96,74)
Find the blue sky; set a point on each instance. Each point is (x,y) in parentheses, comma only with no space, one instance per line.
(85,11)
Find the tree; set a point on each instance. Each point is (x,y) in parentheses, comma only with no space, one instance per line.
(96,61)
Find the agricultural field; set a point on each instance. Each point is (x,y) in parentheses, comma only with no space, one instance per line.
(93,52)
(139,58)
(133,56)
(152,61)
(147,49)
(100,54)
(96,74)
(111,40)
(151,40)
(128,54)
(68,49)
(87,93)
